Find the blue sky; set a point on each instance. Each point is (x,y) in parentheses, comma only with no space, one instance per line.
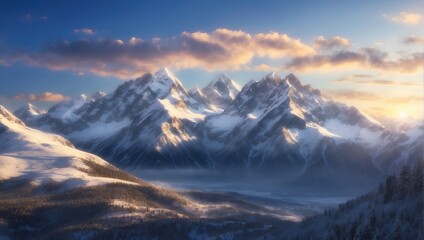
(73,47)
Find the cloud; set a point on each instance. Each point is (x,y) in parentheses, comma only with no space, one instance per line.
(86,31)
(407,99)
(27,18)
(43,97)
(414,40)
(361,75)
(368,79)
(349,94)
(355,95)
(275,45)
(364,58)
(334,42)
(222,49)
(404,18)
(378,105)
(264,68)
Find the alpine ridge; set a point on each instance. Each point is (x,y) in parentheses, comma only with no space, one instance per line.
(275,126)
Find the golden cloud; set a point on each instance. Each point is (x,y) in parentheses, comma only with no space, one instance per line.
(404,18)
(350,94)
(221,49)
(369,79)
(43,97)
(275,45)
(333,42)
(365,58)
(414,40)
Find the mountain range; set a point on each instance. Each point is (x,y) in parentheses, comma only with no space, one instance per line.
(275,127)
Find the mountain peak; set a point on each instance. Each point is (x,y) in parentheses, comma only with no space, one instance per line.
(271,78)
(223,79)
(297,84)
(294,81)
(83,97)
(165,73)
(164,80)
(7,116)
(98,94)
(271,75)
(33,110)
(221,90)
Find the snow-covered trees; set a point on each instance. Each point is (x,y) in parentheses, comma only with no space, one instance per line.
(393,211)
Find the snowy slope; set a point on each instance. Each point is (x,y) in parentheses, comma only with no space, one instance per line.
(26,153)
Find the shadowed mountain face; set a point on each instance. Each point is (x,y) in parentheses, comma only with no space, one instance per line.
(275,127)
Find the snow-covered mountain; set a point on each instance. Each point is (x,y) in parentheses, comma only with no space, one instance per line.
(29,112)
(221,91)
(29,154)
(281,127)
(276,126)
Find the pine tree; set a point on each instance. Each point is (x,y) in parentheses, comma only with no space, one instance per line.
(404,181)
(381,188)
(352,229)
(390,188)
(373,219)
(364,233)
(397,235)
(418,177)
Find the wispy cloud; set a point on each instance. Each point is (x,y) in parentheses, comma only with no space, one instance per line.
(404,18)
(343,94)
(414,40)
(333,42)
(376,104)
(28,18)
(369,79)
(264,68)
(355,95)
(86,31)
(408,99)
(43,97)
(365,58)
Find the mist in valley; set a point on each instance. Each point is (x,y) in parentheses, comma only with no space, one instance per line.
(288,200)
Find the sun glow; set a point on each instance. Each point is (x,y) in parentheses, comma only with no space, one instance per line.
(403,115)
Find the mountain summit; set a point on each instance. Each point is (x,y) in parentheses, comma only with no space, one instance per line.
(28,112)
(221,91)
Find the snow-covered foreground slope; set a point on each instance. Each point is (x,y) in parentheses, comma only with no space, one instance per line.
(30,154)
